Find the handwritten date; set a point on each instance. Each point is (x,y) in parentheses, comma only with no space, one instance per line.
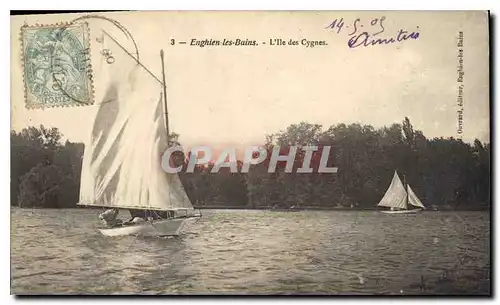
(364,34)
(338,24)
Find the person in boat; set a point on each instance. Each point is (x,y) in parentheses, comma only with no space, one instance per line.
(144,214)
(137,221)
(137,214)
(109,218)
(136,217)
(162,214)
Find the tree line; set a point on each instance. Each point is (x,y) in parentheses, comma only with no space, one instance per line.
(443,172)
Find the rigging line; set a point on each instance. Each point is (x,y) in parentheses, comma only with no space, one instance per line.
(157,215)
(114,22)
(129,54)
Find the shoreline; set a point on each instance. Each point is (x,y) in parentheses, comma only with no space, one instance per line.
(485,209)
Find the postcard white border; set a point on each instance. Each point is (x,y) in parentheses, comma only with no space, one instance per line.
(492,5)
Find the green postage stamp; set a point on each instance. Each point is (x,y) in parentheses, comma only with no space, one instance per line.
(56,65)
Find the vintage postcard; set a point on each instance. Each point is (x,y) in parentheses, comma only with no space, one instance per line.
(256,152)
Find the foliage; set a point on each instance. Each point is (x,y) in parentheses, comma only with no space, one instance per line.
(44,173)
(443,172)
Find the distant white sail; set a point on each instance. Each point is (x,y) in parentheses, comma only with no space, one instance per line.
(395,196)
(122,159)
(413,199)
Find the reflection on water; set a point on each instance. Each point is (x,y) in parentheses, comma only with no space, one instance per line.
(334,252)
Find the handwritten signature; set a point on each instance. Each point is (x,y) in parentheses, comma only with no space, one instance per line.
(369,36)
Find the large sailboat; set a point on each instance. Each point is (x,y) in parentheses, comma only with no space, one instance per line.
(399,197)
(121,167)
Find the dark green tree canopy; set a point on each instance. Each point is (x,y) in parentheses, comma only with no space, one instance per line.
(443,172)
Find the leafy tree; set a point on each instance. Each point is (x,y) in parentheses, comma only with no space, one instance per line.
(44,173)
(40,187)
(444,172)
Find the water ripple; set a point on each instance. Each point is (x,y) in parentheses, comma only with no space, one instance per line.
(256,252)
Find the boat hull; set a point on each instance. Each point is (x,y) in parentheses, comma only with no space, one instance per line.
(413,211)
(163,227)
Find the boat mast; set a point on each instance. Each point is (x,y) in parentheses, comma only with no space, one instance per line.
(165,96)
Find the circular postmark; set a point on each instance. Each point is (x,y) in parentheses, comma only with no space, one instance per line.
(104,52)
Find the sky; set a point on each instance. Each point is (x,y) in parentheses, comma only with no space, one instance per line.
(235,95)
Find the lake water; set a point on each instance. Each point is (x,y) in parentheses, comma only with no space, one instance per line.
(255,252)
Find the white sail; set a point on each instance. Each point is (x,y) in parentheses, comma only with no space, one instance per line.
(395,196)
(122,159)
(413,199)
